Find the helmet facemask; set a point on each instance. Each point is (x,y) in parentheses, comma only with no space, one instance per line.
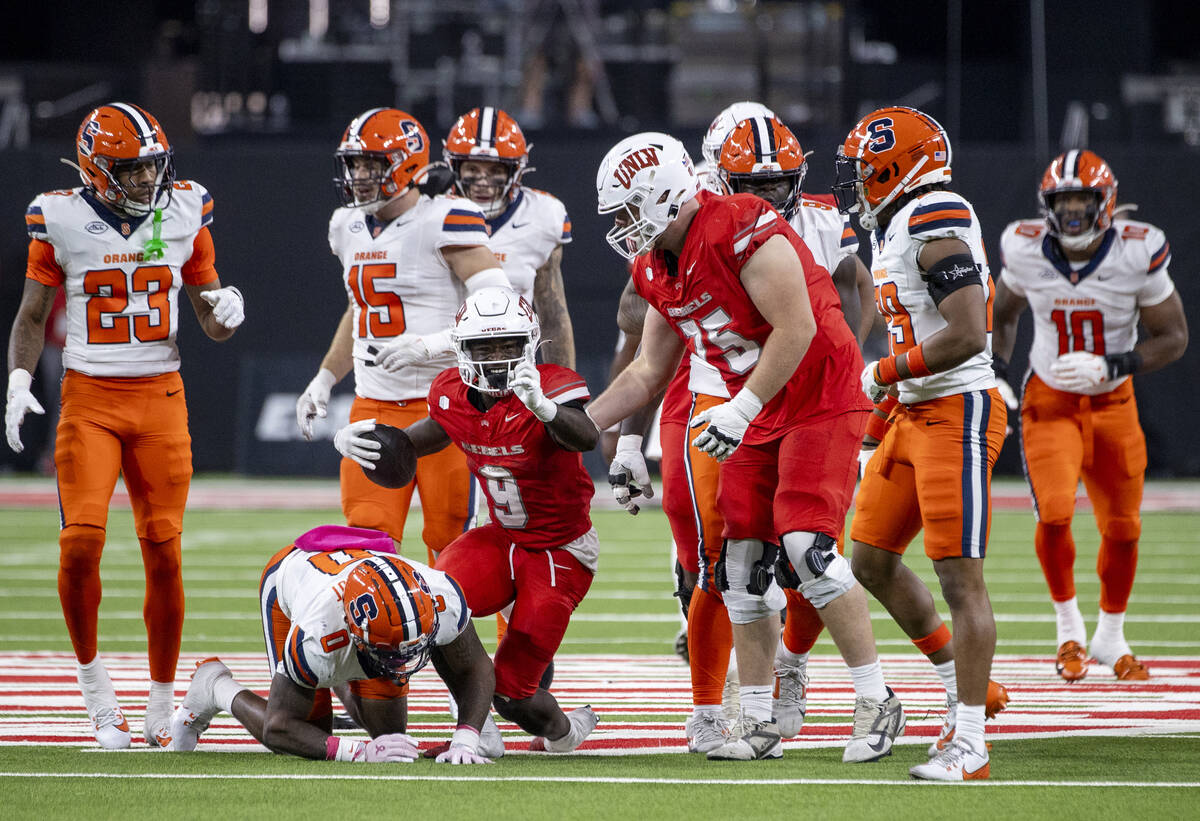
(1075,228)
(155,192)
(488,363)
(495,330)
(364,178)
(498,182)
(780,188)
(644,180)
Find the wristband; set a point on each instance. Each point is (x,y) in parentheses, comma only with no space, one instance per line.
(915,359)
(465,736)
(747,404)
(335,750)
(1119,364)
(629,443)
(886,372)
(487,278)
(877,426)
(19,379)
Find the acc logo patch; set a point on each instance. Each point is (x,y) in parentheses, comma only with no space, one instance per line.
(357,226)
(95,227)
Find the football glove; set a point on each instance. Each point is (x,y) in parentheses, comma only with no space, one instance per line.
(464,749)
(314,401)
(20,402)
(872,388)
(727,424)
(408,349)
(1079,370)
(227,304)
(527,385)
(351,444)
(628,473)
(1010,401)
(393,747)
(864,456)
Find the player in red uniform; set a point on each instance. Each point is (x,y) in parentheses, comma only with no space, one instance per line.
(522,428)
(732,283)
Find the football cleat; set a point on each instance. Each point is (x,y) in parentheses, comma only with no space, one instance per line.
(958,762)
(877,724)
(1071,663)
(790,700)
(997,700)
(705,732)
(1128,668)
(111,728)
(583,721)
(759,740)
(199,705)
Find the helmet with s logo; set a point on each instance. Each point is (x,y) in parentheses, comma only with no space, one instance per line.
(391,615)
(381,154)
(124,158)
(762,156)
(488,135)
(1079,171)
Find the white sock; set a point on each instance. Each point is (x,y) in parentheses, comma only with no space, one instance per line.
(968,726)
(1110,636)
(949,677)
(868,681)
(162,696)
(706,709)
(756,702)
(789,659)
(1070,622)
(96,686)
(225,690)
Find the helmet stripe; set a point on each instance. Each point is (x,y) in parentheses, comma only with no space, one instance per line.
(140,124)
(487,126)
(1071,165)
(360,122)
(764,140)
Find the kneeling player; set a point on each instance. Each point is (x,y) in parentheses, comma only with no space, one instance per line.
(340,613)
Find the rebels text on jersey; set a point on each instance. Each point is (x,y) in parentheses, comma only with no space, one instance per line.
(703,299)
(308,587)
(526,234)
(398,282)
(122,307)
(1090,307)
(902,294)
(537,492)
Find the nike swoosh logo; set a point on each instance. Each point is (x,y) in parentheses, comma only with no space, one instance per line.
(172,393)
(688,273)
(519,224)
(511,417)
(936,421)
(877,747)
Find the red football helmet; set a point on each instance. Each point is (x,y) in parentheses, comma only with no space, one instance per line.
(487,135)
(379,157)
(890,152)
(118,145)
(762,156)
(1078,171)
(391,615)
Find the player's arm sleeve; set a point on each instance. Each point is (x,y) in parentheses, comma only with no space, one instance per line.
(43,266)
(200,269)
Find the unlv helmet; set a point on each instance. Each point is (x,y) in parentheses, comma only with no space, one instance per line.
(391,615)
(1079,171)
(393,148)
(488,135)
(762,153)
(647,176)
(113,140)
(890,152)
(489,318)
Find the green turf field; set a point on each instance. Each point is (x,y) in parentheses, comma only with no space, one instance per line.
(628,611)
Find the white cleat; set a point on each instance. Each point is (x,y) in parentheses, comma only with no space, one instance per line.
(199,705)
(959,761)
(583,721)
(111,728)
(157,727)
(705,732)
(946,734)
(876,725)
(790,701)
(759,740)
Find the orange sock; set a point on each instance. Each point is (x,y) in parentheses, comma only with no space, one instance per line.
(803,624)
(79,585)
(163,607)
(1056,551)
(710,641)
(1116,564)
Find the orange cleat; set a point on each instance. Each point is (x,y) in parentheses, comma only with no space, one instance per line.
(1129,668)
(997,699)
(1072,661)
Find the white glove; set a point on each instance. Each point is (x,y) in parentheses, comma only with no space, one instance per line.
(408,349)
(1079,370)
(350,443)
(1010,401)
(628,473)
(864,456)
(396,747)
(527,385)
(229,309)
(871,388)
(727,424)
(20,402)
(464,749)
(314,401)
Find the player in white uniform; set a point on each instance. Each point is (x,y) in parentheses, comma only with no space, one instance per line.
(339,612)
(1087,276)
(933,468)
(487,152)
(122,248)
(408,261)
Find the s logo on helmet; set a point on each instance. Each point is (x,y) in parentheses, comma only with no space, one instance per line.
(364,608)
(414,141)
(880,134)
(635,162)
(87,137)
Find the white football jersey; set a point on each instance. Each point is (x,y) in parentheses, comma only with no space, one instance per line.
(825,231)
(526,233)
(1091,307)
(318,651)
(399,283)
(122,308)
(903,297)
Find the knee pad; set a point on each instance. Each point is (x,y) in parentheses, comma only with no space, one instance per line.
(811,563)
(80,547)
(745,576)
(1122,530)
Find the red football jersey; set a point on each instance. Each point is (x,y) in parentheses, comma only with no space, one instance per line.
(537,492)
(705,302)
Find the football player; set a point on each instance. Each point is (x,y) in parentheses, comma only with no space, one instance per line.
(732,283)
(933,468)
(1088,275)
(341,611)
(121,247)
(407,262)
(522,428)
(489,157)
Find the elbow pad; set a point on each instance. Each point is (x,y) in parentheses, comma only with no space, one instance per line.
(487,278)
(949,274)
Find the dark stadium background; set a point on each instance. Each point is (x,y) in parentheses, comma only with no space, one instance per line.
(1121,78)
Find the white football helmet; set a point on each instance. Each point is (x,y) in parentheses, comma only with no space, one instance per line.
(710,148)
(649,176)
(494,330)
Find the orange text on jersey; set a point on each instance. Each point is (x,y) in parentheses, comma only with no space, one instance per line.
(1074,301)
(128,257)
(363,255)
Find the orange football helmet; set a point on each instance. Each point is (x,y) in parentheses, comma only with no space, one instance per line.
(391,615)
(113,141)
(487,135)
(381,154)
(890,152)
(762,156)
(1079,171)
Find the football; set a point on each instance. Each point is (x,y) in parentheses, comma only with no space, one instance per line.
(397,463)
